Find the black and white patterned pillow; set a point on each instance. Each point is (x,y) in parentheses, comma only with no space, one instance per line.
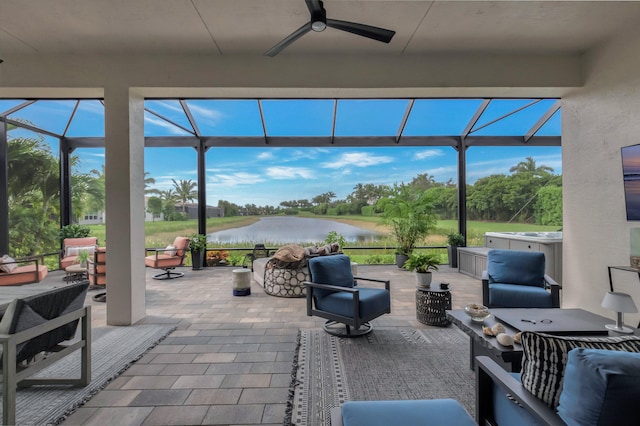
(545,358)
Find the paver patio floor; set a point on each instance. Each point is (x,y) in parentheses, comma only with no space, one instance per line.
(229,360)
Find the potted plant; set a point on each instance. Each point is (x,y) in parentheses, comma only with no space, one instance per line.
(454,240)
(410,213)
(198,246)
(423,264)
(83,258)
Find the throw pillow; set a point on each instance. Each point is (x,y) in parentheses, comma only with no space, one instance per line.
(7,264)
(289,253)
(171,250)
(600,384)
(74,250)
(545,357)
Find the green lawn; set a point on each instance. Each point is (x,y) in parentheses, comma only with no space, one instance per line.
(160,234)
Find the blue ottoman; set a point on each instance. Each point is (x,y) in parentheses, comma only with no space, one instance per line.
(432,412)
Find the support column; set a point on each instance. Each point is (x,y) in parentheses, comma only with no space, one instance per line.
(124,174)
(462,189)
(4,189)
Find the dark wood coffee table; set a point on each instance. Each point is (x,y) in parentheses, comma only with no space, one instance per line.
(569,322)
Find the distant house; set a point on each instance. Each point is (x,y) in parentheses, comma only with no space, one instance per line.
(192,210)
(92,219)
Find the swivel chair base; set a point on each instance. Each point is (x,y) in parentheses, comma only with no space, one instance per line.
(168,275)
(339,329)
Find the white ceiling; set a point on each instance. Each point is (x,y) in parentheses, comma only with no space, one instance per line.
(250,27)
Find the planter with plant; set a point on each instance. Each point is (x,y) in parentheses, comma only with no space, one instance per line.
(198,246)
(83,258)
(423,264)
(454,240)
(410,213)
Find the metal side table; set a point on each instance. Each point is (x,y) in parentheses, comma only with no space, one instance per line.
(432,304)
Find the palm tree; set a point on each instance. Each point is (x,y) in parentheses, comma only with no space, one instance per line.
(185,191)
(148,181)
(529,166)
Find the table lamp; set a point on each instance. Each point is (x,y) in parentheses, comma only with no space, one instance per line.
(621,303)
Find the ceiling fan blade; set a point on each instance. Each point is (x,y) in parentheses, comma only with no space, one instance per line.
(314,6)
(363,30)
(290,39)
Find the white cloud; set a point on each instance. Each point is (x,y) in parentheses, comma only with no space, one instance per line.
(280,172)
(265,156)
(214,116)
(235,179)
(357,159)
(429,153)
(152,119)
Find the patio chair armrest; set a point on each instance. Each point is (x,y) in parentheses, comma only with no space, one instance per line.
(387,283)
(550,282)
(330,287)
(488,372)
(552,285)
(485,289)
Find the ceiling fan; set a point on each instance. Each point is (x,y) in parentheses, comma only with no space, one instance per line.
(319,22)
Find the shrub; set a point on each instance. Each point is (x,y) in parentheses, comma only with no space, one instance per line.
(74,231)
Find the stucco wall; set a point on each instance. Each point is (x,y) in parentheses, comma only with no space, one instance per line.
(596,122)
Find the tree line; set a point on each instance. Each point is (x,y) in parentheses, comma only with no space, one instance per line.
(531,193)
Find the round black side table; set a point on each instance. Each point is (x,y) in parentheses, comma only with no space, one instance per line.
(432,304)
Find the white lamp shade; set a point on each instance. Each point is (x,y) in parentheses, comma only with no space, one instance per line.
(619,302)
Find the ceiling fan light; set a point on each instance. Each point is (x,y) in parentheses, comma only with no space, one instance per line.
(318,26)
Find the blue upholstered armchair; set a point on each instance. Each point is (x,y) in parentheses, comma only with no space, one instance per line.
(332,294)
(516,279)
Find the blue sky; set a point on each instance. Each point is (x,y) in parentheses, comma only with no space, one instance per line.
(269,175)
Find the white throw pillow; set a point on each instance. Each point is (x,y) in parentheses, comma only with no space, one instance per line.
(6,264)
(171,250)
(74,250)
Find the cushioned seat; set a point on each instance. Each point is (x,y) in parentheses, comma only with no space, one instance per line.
(42,323)
(516,279)
(332,294)
(72,246)
(25,274)
(168,258)
(434,412)
(586,381)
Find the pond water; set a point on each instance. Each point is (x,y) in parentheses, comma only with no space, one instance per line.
(285,229)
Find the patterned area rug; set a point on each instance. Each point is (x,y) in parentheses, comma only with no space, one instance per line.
(113,350)
(389,363)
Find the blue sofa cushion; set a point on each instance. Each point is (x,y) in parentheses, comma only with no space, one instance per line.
(332,270)
(373,302)
(600,387)
(433,412)
(544,358)
(516,267)
(519,296)
(506,411)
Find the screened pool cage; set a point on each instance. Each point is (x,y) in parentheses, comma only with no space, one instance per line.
(204,124)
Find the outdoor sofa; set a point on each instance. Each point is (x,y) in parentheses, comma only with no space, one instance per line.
(586,381)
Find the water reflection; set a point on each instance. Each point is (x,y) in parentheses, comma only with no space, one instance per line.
(283,230)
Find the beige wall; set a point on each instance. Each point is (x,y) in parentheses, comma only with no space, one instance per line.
(597,121)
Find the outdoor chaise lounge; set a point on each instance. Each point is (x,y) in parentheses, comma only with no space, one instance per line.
(41,323)
(21,271)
